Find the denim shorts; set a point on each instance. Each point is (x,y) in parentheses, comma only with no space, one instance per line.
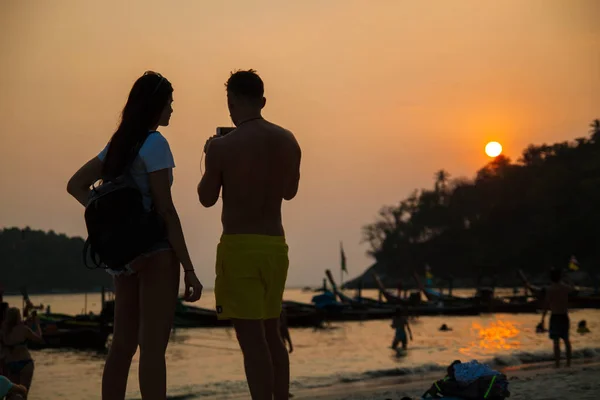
(162,245)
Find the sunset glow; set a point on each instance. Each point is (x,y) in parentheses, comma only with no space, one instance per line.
(497,336)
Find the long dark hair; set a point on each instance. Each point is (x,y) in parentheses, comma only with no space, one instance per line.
(11,320)
(147,100)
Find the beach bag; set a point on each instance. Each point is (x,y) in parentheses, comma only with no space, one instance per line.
(119,227)
(488,387)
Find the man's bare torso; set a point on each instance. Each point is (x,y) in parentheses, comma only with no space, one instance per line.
(557,298)
(257,162)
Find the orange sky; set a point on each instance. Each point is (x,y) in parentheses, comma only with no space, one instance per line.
(380,94)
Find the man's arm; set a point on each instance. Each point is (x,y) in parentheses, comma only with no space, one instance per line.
(545,306)
(210,184)
(293,180)
(409,331)
(287,338)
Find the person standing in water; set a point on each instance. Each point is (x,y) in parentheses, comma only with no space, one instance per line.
(557,301)
(258,166)
(400,324)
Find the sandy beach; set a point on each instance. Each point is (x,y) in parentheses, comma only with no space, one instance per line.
(539,382)
(532,382)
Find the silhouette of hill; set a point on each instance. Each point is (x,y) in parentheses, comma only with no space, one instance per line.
(531,214)
(45,262)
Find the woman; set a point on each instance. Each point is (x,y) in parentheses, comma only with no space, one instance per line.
(146,294)
(15,334)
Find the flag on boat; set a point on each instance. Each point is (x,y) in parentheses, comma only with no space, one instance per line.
(428,275)
(573,264)
(343,258)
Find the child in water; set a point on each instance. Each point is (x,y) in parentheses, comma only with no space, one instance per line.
(399,323)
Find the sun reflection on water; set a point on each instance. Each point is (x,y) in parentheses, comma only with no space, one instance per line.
(497,336)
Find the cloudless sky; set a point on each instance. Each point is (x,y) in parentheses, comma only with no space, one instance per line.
(380,94)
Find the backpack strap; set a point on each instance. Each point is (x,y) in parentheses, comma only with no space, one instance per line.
(92,254)
(487,393)
(435,391)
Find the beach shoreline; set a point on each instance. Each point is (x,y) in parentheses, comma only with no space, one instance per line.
(539,381)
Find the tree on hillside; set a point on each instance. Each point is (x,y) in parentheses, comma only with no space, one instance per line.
(531,214)
(45,261)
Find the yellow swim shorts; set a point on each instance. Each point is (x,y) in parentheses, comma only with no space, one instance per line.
(251,274)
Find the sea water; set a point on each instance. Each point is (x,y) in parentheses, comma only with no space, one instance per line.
(208,362)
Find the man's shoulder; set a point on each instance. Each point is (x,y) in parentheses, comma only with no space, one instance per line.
(288,138)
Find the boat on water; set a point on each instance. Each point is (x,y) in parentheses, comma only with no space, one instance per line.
(188,316)
(484,301)
(362,309)
(74,338)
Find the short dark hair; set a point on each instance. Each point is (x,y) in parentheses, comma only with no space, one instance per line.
(246,83)
(555,275)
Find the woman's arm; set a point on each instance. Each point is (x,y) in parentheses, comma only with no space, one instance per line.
(80,183)
(160,188)
(34,336)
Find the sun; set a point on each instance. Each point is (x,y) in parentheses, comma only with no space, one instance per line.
(493,149)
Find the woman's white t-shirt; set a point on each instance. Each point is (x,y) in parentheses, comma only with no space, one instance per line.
(154,155)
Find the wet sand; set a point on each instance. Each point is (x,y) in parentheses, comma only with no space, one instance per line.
(534,382)
(531,382)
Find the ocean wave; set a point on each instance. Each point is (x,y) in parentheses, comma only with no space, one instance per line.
(539,357)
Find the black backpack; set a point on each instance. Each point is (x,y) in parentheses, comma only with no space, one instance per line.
(119,227)
(493,387)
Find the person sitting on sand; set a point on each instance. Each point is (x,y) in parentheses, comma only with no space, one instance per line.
(12,390)
(582,328)
(557,301)
(399,323)
(15,334)
(445,328)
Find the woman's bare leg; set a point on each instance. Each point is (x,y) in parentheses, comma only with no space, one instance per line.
(125,338)
(26,376)
(159,287)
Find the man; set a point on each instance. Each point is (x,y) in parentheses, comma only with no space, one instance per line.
(557,301)
(258,166)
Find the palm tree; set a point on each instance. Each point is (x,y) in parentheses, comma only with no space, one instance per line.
(441,181)
(595,130)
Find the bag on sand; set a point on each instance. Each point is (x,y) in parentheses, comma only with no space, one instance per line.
(485,387)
